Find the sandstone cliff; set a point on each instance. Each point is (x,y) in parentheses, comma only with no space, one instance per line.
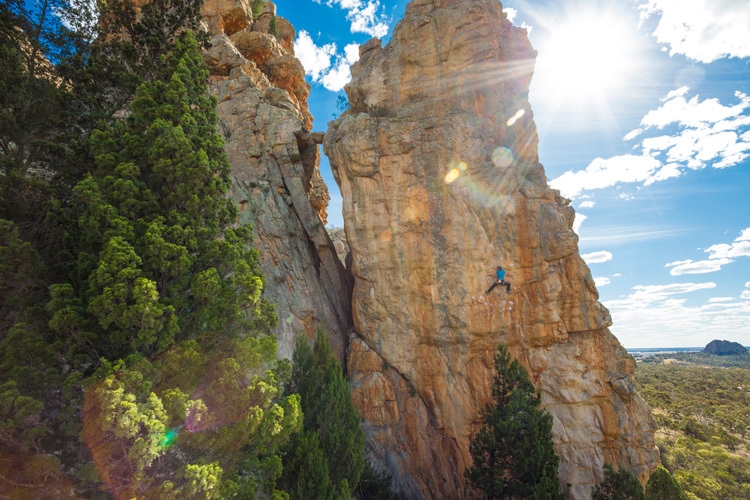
(263,116)
(438,168)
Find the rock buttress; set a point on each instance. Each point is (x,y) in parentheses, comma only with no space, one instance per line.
(263,116)
(438,168)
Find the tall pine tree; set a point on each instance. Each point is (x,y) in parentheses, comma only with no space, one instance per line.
(513,454)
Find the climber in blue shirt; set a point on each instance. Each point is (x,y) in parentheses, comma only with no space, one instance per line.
(500,280)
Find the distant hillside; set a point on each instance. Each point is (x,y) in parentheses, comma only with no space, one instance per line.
(700,407)
(725,348)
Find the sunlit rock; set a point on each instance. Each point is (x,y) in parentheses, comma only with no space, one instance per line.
(439,173)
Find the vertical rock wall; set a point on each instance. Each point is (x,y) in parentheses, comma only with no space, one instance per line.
(438,168)
(263,117)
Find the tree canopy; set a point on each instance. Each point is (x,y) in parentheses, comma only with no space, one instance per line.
(136,347)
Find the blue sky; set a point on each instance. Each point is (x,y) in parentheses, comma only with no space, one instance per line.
(643,112)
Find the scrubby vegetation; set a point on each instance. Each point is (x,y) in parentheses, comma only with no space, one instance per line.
(701,402)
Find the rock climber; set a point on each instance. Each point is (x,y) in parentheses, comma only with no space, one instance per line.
(500,280)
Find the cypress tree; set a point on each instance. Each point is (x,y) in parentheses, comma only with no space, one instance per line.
(513,454)
(319,380)
(257,8)
(157,258)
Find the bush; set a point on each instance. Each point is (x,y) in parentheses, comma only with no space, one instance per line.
(620,485)
(257,8)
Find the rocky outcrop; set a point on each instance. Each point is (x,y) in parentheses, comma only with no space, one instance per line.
(263,117)
(725,348)
(439,173)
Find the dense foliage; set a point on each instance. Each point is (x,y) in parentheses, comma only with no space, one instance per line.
(512,453)
(620,485)
(663,486)
(326,460)
(704,422)
(136,358)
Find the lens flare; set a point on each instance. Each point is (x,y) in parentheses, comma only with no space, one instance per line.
(462,166)
(452,175)
(502,157)
(168,438)
(513,119)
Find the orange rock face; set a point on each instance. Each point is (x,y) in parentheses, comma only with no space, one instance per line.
(438,168)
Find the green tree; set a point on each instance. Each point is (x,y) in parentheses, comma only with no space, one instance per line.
(662,486)
(32,115)
(620,485)
(375,485)
(513,454)
(157,258)
(330,417)
(273,27)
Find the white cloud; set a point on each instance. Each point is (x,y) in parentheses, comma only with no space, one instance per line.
(740,247)
(335,79)
(317,61)
(721,299)
(597,257)
(617,235)
(693,113)
(632,134)
(579,218)
(723,250)
(719,255)
(599,282)
(655,316)
(702,30)
(587,204)
(603,173)
(365,17)
(699,267)
(699,133)
(645,295)
(511,13)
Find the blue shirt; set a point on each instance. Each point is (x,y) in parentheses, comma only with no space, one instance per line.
(500,274)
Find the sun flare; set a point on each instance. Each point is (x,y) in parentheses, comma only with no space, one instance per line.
(585,56)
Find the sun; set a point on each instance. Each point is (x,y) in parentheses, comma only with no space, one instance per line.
(586,56)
